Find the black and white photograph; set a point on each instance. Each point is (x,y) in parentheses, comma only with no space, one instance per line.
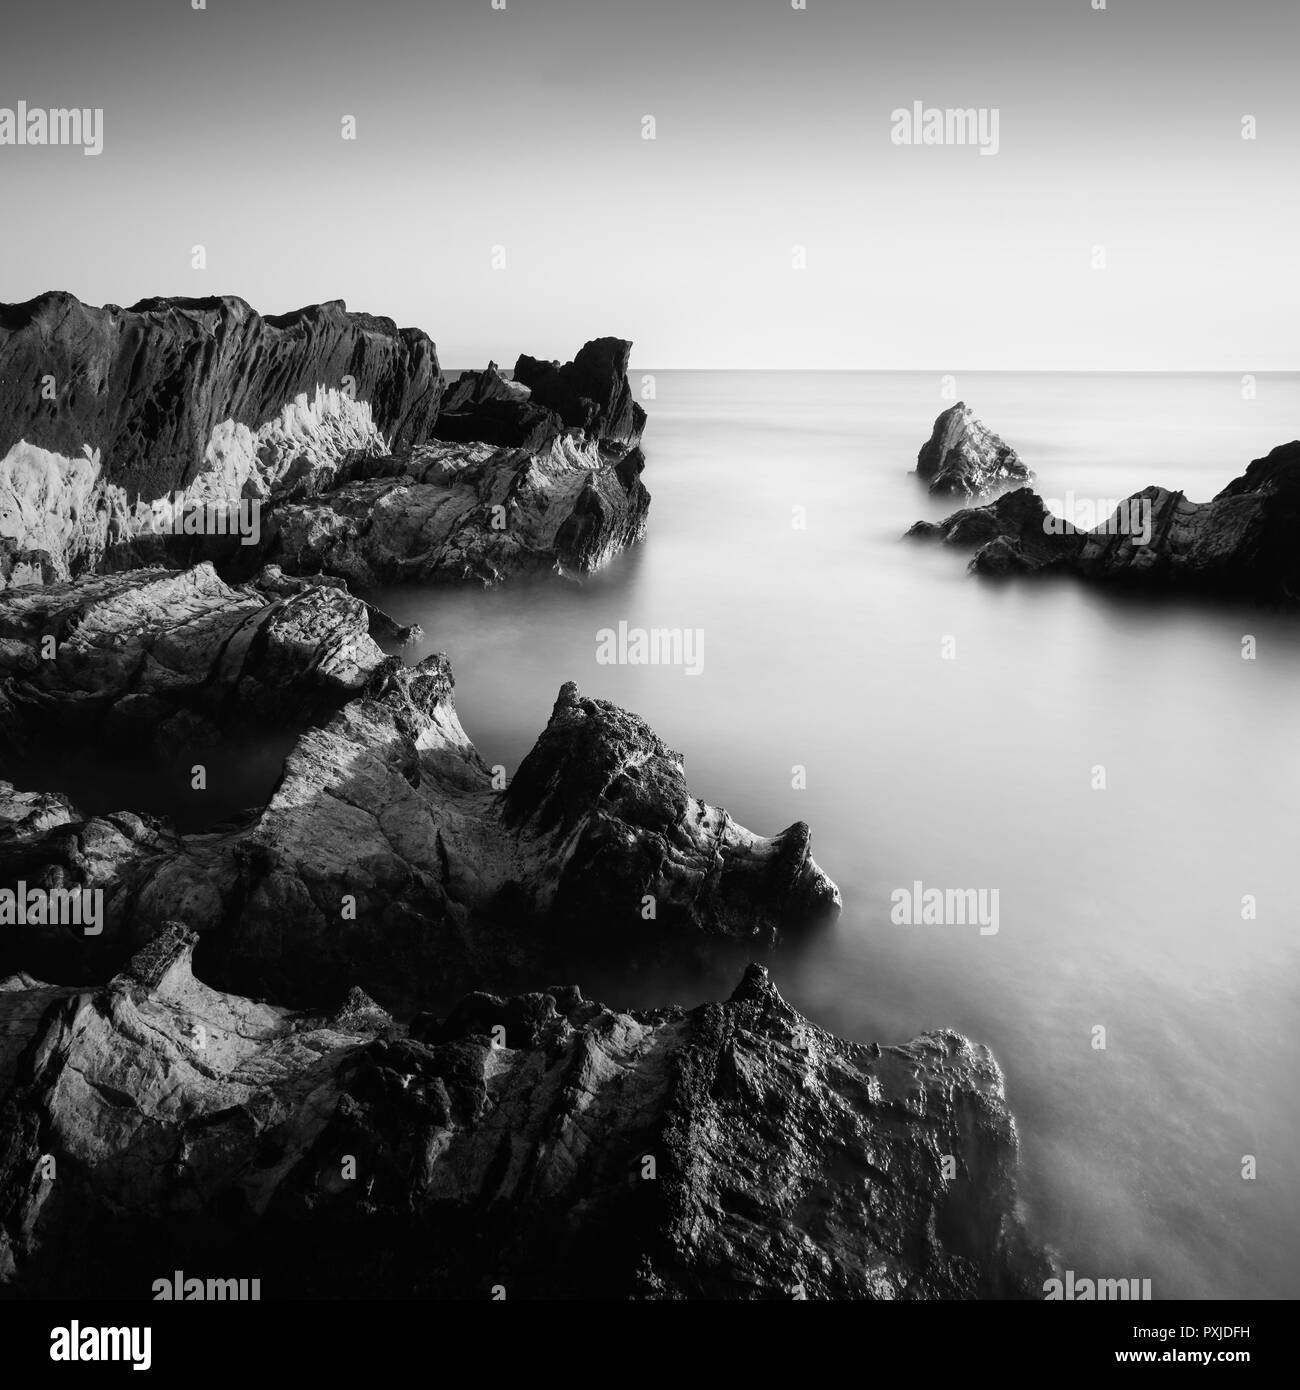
(646,656)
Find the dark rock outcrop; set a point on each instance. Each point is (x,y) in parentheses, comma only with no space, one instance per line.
(118,427)
(149,386)
(477,512)
(590,393)
(389,857)
(157,658)
(483,407)
(1244,543)
(542,1146)
(964,457)
(1020,513)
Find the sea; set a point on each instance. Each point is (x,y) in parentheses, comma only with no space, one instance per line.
(1122,772)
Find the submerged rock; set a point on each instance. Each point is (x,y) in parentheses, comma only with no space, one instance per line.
(1243,543)
(390,857)
(543,1145)
(473,512)
(964,457)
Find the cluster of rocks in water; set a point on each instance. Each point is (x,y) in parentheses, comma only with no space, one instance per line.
(419,1111)
(1244,543)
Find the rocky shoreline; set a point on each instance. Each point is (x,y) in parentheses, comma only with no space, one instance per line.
(540,1146)
(155,1113)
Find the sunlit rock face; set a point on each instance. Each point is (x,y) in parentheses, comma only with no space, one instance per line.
(964,458)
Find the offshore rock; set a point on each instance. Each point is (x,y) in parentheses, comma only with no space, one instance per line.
(543,1144)
(1244,543)
(963,456)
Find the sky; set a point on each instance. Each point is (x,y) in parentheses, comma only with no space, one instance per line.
(516,135)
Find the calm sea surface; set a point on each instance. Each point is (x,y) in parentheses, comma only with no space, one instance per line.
(1120,908)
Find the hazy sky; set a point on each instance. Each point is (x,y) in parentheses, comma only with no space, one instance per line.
(479,128)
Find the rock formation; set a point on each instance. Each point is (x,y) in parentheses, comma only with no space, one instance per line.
(964,457)
(151,387)
(1020,513)
(158,658)
(543,1145)
(118,426)
(485,408)
(1245,542)
(388,859)
(591,393)
(469,512)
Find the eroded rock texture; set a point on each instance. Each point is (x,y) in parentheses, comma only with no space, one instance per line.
(388,859)
(485,407)
(964,457)
(476,512)
(151,659)
(1245,542)
(543,1143)
(151,385)
(591,393)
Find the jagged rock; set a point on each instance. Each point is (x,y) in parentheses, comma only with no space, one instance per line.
(590,393)
(1021,513)
(115,425)
(61,517)
(387,858)
(272,581)
(106,855)
(27,815)
(469,512)
(733,1150)
(152,657)
(1243,543)
(483,407)
(153,387)
(965,457)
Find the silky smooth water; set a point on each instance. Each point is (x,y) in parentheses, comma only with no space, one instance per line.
(1120,908)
